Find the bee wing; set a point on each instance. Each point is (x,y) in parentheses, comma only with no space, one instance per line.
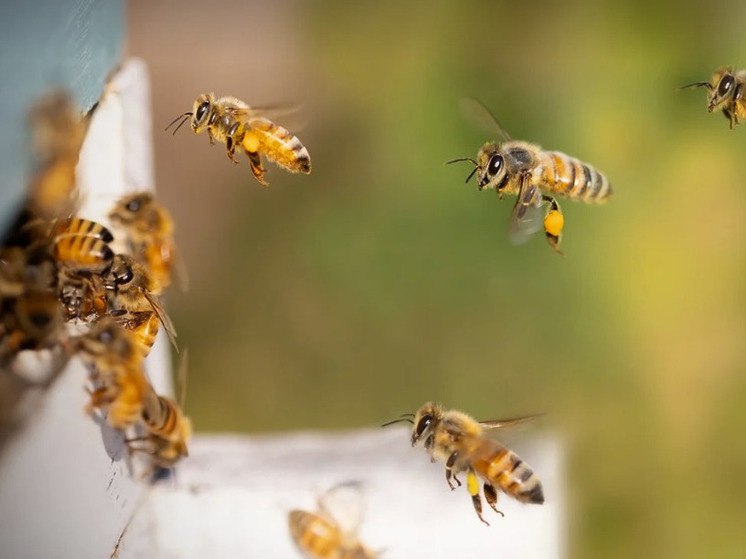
(279,112)
(162,315)
(479,115)
(511,422)
(344,505)
(525,220)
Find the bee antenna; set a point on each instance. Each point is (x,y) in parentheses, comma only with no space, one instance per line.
(708,85)
(184,116)
(462,159)
(476,166)
(400,420)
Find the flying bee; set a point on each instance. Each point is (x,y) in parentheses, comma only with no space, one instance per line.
(168,429)
(150,230)
(326,534)
(131,291)
(726,93)
(232,122)
(460,441)
(535,176)
(117,370)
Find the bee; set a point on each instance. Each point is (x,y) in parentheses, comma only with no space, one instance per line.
(459,440)
(168,429)
(116,361)
(82,253)
(325,535)
(535,176)
(132,297)
(58,132)
(150,230)
(725,93)
(232,122)
(33,320)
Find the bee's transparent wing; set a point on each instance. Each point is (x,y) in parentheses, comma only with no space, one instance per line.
(344,505)
(287,114)
(162,315)
(526,218)
(479,115)
(511,422)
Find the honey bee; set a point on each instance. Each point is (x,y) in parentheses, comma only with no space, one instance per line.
(460,441)
(132,296)
(535,176)
(325,535)
(168,429)
(150,230)
(117,369)
(82,253)
(726,93)
(58,133)
(232,122)
(33,320)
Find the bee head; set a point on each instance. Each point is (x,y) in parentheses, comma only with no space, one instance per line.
(425,420)
(489,167)
(201,113)
(129,208)
(724,91)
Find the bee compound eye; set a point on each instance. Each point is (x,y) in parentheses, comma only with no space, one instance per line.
(423,424)
(133,205)
(726,84)
(202,110)
(495,164)
(106,336)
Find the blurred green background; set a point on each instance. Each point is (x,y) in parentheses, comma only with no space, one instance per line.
(341,299)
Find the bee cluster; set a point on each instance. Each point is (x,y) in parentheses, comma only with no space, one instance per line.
(66,287)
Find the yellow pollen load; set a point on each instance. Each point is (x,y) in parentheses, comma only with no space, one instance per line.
(554,222)
(251,141)
(472,483)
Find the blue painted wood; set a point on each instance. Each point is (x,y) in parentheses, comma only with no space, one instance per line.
(45,44)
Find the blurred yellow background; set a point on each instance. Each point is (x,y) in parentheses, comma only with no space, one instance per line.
(344,298)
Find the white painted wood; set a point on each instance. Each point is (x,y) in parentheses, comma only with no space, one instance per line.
(67,487)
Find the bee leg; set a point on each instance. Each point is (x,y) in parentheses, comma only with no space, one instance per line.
(212,138)
(490,495)
(256,166)
(449,471)
(472,484)
(554,221)
(231,148)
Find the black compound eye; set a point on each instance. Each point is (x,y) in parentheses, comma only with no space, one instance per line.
(125,277)
(725,85)
(40,319)
(201,110)
(106,336)
(423,424)
(134,205)
(495,164)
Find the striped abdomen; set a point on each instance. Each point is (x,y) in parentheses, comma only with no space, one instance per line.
(569,177)
(314,535)
(502,468)
(82,250)
(145,332)
(85,227)
(161,415)
(278,144)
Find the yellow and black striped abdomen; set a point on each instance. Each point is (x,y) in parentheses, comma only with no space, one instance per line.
(314,535)
(278,144)
(504,469)
(82,250)
(571,178)
(80,226)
